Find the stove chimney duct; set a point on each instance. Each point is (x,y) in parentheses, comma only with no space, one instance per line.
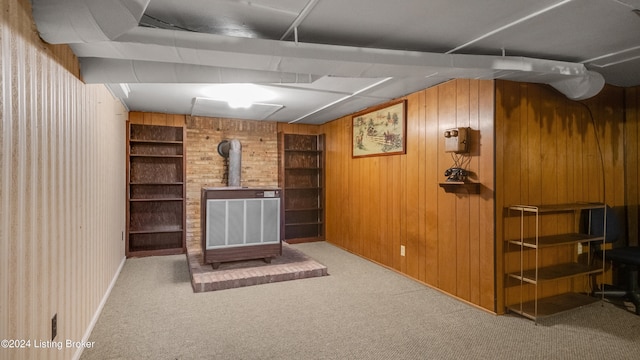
(232,150)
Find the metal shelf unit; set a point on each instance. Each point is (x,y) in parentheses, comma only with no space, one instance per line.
(540,307)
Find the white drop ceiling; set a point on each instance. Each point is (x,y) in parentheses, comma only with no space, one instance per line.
(324,59)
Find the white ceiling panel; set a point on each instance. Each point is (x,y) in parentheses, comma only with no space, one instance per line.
(576,31)
(328,58)
(255,19)
(435,25)
(257,111)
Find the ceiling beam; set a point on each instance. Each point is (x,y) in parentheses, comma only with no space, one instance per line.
(299,19)
(509,25)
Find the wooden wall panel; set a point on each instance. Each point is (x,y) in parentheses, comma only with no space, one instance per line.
(547,152)
(431,177)
(463,214)
(159,119)
(632,162)
(304,129)
(485,140)
(412,202)
(446,210)
(62,185)
(448,237)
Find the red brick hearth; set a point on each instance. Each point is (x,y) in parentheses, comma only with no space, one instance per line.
(291,265)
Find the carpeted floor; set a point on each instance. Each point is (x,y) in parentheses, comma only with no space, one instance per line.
(361,311)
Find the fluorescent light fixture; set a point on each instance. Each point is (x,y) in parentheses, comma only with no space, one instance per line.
(216,108)
(239,95)
(125,89)
(239,103)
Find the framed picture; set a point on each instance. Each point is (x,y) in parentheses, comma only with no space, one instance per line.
(380,130)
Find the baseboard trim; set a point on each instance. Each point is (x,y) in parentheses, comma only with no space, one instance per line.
(96,315)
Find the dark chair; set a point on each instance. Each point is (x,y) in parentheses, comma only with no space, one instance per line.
(625,258)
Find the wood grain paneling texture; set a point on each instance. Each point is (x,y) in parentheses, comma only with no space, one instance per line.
(376,204)
(159,119)
(304,129)
(62,179)
(632,162)
(547,152)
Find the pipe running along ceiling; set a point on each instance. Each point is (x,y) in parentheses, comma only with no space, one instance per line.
(113,49)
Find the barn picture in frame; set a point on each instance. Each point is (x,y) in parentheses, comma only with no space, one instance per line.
(380,130)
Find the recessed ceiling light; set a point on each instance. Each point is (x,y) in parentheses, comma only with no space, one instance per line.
(239,95)
(240,103)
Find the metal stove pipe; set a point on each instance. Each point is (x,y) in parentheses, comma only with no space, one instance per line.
(232,150)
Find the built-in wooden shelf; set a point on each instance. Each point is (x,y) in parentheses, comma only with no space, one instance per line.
(155,156)
(158,199)
(156,190)
(459,186)
(302,181)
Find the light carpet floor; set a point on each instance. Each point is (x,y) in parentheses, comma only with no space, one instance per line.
(360,311)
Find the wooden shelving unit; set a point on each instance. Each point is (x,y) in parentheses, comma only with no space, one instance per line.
(302,181)
(536,274)
(155,190)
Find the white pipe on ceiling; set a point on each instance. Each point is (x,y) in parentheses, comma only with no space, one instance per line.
(104,71)
(178,47)
(108,29)
(81,21)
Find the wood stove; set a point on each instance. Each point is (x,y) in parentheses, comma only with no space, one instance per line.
(240,224)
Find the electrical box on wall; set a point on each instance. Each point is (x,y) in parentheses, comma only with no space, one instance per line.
(456,140)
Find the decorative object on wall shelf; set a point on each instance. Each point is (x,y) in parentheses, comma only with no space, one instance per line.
(456,174)
(380,131)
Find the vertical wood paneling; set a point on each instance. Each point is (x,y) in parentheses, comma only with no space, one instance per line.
(385,232)
(632,162)
(448,237)
(463,213)
(546,152)
(475,202)
(446,215)
(304,129)
(401,182)
(61,163)
(397,204)
(412,200)
(159,119)
(431,192)
(422,167)
(487,262)
(374,205)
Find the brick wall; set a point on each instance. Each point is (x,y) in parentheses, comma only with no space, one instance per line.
(206,168)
